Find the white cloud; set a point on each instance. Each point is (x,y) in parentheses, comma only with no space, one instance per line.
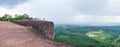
(77,11)
(19,9)
(96,19)
(81,18)
(70,11)
(112,8)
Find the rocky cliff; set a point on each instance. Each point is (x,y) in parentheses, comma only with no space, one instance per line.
(15,35)
(44,27)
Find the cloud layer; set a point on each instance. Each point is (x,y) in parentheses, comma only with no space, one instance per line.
(18,9)
(10,3)
(78,11)
(68,11)
(14,7)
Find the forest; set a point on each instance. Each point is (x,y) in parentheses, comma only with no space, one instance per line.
(88,36)
(7,17)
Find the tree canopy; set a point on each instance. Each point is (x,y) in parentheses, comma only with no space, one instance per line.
(7,17)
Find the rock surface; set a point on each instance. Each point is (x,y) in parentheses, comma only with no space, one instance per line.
(14,35)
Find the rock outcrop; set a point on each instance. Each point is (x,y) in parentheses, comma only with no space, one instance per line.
(14,35)
(44,27)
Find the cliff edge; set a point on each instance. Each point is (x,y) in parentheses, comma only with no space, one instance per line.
(14,35)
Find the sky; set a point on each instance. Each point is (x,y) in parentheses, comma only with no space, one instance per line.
(66,11)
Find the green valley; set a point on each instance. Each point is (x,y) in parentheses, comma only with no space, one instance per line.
(88,36)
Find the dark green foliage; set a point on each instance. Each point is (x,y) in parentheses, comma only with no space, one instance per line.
(76,35)
(22,17)
(8,17)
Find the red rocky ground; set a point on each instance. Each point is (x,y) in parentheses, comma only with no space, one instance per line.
(13,35)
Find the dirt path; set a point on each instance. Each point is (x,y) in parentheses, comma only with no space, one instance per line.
(13,35)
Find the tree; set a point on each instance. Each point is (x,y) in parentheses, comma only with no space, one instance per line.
(8,17)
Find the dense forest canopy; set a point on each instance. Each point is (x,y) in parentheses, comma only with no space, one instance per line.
(7,17)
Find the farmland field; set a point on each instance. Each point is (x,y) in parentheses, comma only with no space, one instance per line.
(88,36)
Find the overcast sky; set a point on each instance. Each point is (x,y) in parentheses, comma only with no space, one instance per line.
(66,11)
